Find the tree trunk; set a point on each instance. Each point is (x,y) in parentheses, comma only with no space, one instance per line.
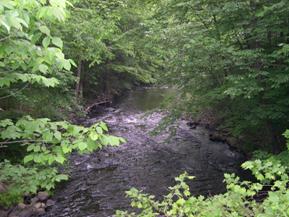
(78,90)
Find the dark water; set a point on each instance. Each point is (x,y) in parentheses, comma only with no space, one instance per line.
(150,163)
(142,100)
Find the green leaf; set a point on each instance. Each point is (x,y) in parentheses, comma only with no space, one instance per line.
(43,68)
(57,42)
(45,30)
(99,130)
(5,24)
(5,123)
(57,135)
(28,159)
(50,82)
(82,146)
(103,126)
(51,159)
(60,159)
(66,65)
(93,135)
(72,63)
(65,148)
(47,136)
(61,177)
(11,132)
(46,42)
(114,141)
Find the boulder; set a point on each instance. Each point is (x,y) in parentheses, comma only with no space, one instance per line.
(42,196)
(3,213)
(38,205)
(40,211)
(50,203)
(28,211)
(22,205)
(217,137)
(34,200)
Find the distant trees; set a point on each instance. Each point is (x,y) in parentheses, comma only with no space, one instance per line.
(232,57)
(110,41)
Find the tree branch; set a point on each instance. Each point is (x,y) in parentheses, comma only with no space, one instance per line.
(17,91)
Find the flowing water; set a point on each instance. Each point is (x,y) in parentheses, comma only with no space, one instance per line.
(150,163)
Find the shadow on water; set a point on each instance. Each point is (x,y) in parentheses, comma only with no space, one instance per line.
(150,163)
(142,100)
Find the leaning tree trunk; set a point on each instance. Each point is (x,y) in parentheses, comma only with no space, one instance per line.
(79,88)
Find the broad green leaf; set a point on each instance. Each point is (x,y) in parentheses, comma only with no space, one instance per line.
(82,146)
(66,65)
(57,135)
(11,132)
(28,159)
(46,42)
(60,159)
(57,42)
(6,122)
(65,148)
(61,177)
(93,135)
(45,30)
(43,68)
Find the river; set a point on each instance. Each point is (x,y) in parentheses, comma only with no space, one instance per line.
(98,181)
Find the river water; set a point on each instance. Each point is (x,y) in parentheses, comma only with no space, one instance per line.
(150,163)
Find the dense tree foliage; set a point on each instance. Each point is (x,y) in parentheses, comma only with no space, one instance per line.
(227,58)
(231,57)
(110,42)
(32,60)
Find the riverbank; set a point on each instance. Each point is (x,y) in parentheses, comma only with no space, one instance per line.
(208,120)
(99,181)
(150,162)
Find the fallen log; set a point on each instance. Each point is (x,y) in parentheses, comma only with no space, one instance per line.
(97,104)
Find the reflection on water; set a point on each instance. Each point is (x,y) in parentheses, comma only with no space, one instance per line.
(146,99)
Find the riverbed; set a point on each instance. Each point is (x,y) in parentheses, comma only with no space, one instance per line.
(146,161)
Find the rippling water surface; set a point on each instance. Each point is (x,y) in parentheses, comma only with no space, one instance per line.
(150,163)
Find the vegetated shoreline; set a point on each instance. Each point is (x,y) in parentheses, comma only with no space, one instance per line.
(207,120)
(35,205)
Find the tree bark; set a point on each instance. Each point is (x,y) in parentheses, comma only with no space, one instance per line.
(78,90)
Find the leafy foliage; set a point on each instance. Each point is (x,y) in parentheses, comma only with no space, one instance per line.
(28,46)
(30,56)
(239,200)
(47,144)
(267,196)
(31,61)
(111,41)
(230,57)
(26,180)
(227,56)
